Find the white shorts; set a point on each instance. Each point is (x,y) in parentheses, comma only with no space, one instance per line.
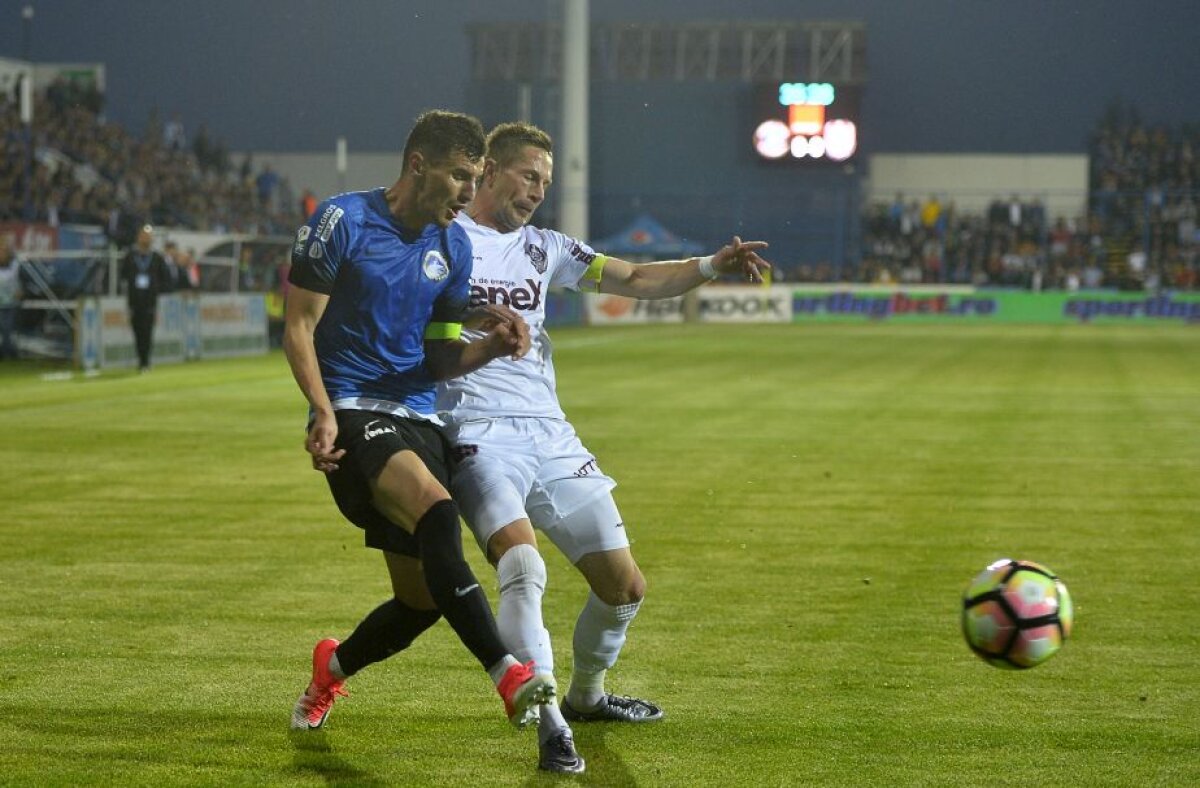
(513,468)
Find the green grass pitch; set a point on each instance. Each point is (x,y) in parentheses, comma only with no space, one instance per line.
(807,503)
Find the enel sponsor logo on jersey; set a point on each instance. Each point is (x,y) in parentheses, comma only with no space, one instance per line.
(526,299)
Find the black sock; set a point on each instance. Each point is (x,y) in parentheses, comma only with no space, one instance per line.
(453,586)
(387,629)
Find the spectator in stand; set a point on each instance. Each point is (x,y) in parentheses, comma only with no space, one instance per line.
(276,301)
(895,212)
(1035,220)
(265,184)
(931,211)
(1186,216)
(911,218)
(10,297)
(247,272)
(174,138)
(308,204)
(1014,211)
(187,274)
(1060,239)
(190,268)
(144,275)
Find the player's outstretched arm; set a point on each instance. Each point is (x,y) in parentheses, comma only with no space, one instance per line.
(675,277)
(303,312)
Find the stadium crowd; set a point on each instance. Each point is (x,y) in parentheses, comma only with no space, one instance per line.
(1140,231)
(88,171)
(1146,182)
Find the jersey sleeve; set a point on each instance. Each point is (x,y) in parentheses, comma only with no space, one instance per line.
(450,307)
(577,266)
(319,248)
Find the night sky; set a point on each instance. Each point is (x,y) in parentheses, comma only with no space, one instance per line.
(943,75)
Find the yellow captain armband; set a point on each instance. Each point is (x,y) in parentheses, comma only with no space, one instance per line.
(591,278)
(443,331)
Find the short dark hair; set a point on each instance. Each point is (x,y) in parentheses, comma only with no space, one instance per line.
(438,134)
(505,141)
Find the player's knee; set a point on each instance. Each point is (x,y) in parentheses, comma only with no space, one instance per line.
(634,590)
(522,566)
(439,542)
(408,581)
(629,590)
(416,598)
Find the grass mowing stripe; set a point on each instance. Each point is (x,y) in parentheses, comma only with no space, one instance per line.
(806,502)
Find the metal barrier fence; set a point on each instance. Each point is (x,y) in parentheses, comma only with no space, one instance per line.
(57,283)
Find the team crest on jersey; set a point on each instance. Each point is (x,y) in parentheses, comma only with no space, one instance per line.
(537,256)
(435,266)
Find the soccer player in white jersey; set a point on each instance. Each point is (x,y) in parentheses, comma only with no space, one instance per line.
(520,464)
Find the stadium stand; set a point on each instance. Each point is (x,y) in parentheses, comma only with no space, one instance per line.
(89,171)
(1140,231)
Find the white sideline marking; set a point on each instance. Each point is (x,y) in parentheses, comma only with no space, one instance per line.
(56,376)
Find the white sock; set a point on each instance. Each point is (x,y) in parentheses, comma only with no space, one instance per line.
(498,670)
(522,575)
(551,723)
(587,689)
(599,636)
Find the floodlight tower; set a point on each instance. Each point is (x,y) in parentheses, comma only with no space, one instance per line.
(26,109)
(573,161)
(26,30)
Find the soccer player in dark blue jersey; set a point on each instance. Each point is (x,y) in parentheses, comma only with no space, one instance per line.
(379,292)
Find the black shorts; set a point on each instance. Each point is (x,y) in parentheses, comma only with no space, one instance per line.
(370,439)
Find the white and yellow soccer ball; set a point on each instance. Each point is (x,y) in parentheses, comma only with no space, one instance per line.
(1016,614)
